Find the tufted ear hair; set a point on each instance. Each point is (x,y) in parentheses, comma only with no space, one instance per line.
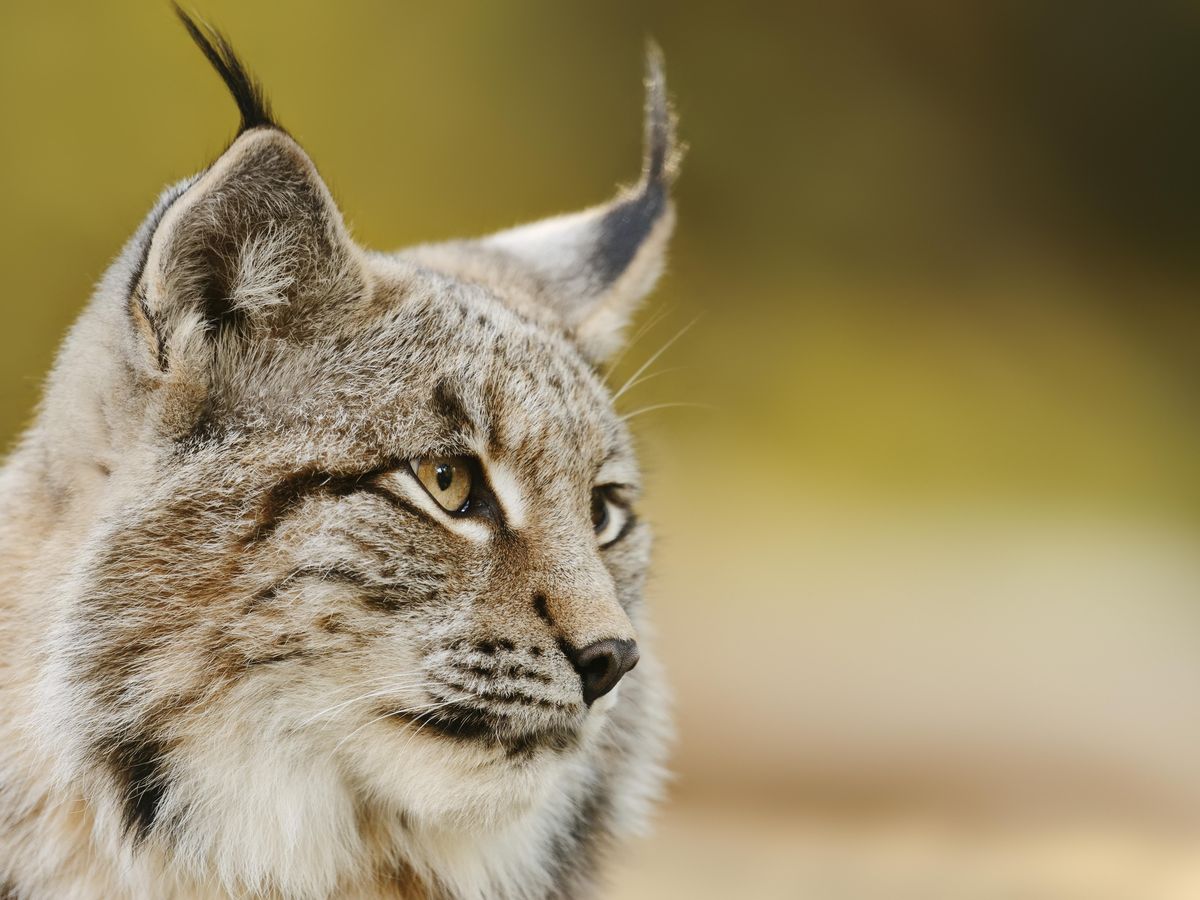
(252,245)
(592,268)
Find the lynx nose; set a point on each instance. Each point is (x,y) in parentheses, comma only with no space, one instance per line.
(601,665)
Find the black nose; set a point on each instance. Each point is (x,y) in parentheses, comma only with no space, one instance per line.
(601,665)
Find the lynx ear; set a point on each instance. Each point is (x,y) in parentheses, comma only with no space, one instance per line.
(591,268)
(253,245)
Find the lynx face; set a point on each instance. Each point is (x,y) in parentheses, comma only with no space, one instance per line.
(352,562)
(306,581)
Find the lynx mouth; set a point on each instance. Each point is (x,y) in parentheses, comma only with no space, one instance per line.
(467,724)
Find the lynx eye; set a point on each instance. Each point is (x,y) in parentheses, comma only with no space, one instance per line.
(447,479)
(608,516)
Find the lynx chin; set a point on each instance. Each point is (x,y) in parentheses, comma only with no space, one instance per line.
(322,568)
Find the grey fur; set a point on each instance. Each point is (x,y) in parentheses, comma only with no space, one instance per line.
(229,609)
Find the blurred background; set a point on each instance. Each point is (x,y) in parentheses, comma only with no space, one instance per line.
(928,577)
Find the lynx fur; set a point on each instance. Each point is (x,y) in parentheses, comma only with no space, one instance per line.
(244,652)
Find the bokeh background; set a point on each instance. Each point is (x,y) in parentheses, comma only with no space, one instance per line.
(928,576)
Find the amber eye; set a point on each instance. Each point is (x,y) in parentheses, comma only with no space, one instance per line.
(448,480)
(608,516)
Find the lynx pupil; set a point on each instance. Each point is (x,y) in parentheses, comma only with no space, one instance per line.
(447,479)
(599,511)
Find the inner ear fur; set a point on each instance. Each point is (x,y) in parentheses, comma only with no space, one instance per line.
(253,245)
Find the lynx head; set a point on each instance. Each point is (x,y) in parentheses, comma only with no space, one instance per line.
(360,567)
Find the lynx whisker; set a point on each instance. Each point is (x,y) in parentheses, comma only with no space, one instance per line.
(643,330)
(652,375)
(380,692)
(657,406)
(423,719)
(648,363)
(424,709)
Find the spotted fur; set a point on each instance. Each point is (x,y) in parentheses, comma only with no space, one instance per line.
(242,651)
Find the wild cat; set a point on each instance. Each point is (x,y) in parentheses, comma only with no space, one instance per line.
(322,571)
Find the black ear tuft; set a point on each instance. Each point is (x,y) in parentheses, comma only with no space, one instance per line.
(662,151)
(247,93)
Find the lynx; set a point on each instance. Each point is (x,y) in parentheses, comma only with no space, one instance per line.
(322,571)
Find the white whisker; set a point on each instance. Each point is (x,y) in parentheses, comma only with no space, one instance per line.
(391,686)
(426,709)
(651,375)
(653,407)
(423,719)
(642,331)
(648,363)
